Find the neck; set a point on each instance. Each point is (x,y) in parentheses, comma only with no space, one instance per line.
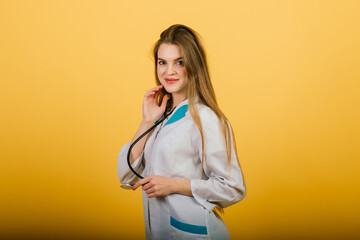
(176,99)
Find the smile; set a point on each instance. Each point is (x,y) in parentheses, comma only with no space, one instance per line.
(171,80)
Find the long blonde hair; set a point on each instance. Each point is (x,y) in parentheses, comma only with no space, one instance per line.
(199,86)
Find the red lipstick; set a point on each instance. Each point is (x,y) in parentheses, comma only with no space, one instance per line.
(171,80)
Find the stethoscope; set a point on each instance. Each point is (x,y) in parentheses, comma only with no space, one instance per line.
(128,185)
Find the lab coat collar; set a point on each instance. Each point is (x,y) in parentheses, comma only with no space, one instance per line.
(179,112)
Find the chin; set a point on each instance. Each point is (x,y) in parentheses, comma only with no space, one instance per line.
(169,89)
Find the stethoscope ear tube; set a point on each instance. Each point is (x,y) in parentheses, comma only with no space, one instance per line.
(142,135)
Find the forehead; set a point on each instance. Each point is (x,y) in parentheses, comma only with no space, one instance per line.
(169,51)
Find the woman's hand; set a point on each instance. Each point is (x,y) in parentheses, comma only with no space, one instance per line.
(151,111)
(158,186)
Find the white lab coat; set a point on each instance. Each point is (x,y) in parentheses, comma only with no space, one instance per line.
(174,150)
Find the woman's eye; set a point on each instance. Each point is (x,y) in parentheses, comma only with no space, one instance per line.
(161,62)
(181,63)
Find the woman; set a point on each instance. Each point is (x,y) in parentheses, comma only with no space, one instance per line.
(189,161)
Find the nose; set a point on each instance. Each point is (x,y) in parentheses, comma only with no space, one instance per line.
(170,69)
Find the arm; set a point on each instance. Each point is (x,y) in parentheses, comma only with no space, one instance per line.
(158,186)
(219,186)
(151,113)
(139,146)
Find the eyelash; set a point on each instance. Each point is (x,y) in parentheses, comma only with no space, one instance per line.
(181,63)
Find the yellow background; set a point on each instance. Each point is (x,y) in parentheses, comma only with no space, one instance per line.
(73,74)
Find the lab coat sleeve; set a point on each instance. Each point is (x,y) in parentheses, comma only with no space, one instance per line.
(217,187)
(124,173)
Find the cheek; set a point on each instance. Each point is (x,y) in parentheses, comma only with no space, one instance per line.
(183,73)
(160,71)
(160,76)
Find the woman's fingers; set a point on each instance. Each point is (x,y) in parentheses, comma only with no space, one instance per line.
(149,95)
(149,187)
(151,110)
(155,89)
(164,101)
(156,186)
(146,186)
(157,94)
(153,93)
(150,190)
(151,195)
(140,182)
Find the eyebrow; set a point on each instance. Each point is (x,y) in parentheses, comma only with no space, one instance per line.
(174,60)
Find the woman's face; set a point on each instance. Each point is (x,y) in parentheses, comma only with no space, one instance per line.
(171,70)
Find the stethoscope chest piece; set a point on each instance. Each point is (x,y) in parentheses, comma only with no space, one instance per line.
(127,186)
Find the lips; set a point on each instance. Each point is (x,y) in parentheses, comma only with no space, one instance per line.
(171,80)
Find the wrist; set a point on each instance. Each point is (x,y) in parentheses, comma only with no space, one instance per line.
(181,186)
(175,185)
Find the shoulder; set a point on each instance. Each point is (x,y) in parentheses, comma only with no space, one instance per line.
(207,115)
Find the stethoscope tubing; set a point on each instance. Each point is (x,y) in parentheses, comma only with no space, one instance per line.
(139,138)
